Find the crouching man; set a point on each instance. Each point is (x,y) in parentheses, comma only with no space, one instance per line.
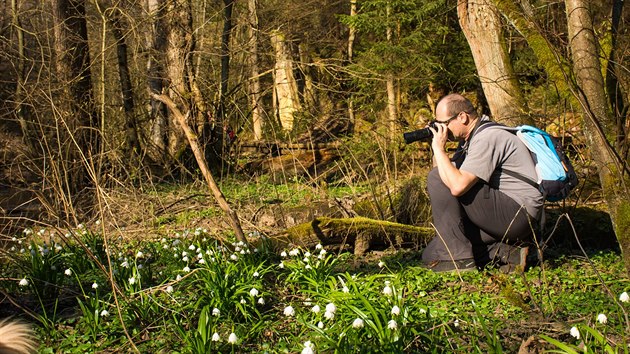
(481,214)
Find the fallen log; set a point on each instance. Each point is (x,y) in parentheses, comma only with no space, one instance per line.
(358,232)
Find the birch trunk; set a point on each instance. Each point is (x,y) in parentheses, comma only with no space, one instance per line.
(285,86)
(254,81)
(481,25)
(597,119)
(392,111)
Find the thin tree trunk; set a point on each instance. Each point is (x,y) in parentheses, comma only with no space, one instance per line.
(351,37)
(254,81)
(392,111)
(597,121)
(225,58)
(481,25)
(156,44)
(203,166)
(19,95)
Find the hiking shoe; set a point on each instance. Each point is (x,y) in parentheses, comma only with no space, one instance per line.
(516,260)
(462,265)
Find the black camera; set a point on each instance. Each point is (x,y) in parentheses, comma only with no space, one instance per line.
(423,134)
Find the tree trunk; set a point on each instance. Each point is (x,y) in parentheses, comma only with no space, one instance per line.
(351,36)
(225,59)
(285,86)
(597,120)
(72,64)
(254,81)
(132,142)
(481,25)
(156,44)
(392,111)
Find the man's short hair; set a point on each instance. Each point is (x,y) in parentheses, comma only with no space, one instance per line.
(456,103)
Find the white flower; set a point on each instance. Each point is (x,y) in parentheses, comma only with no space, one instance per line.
(234,257)
(232,339)
(104,313)
(387,290)
(97,222)
(392,324)
(624,297)
(243,301)
(215,337)
(253,292)
(329,315)
(316,309)
(94,286)
(601,318)
(186,269)
(345,289)
(281,265)
(306,255)
(125,264)
(68,272)
(132,280)
(185,259)
(423,311)
(23,282)
(308,348)
(575,332)
(331,308)
(169,289)
(294,252)
(178,277)
(319,246)
(283,254)
(358,323)
(261,301)
(216,312)
(289,311)
(381,264)
(395,310)
(201,261)
(139,254)
(192,247)
(255,275)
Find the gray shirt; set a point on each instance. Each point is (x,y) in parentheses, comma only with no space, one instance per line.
(494,150)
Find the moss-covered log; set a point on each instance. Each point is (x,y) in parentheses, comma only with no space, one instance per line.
(361,233)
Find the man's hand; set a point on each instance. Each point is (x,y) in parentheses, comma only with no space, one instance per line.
(440,137)
(458,181)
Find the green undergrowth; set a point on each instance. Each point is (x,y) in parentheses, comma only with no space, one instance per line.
(190,293)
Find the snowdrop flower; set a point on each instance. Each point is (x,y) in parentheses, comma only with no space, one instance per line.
(132,280)
(387,290)
(23,282)
(423,311)
(192,247)
(281,265)
(215,337)
(169,289)
(601,318)
(329,315)
(322,253)
(243,301)
(261,301)
(381,264)
(294,252)
(104,313)
(201,261)
(232,339)
(283,254)
(289,311)
(125,264)
(575,332)
(624,297)
(97,222)
(255,275)
(358,323)
(331,308)
(68,272)
(308,266)
(345,289)
(320,325)
(185,259)
(178,277)
(319,246)
(308,348)
(234,257)
(94,286)
(253,292)
(186,269)
(316,309)
(139,254)
(392,324)
(307,254)
(395,310)
(216,312)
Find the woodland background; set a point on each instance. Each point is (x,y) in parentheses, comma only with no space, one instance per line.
(94,93)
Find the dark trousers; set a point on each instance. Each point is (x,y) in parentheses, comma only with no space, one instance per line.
(483,224)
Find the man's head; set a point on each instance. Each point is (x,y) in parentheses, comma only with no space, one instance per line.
(458,113)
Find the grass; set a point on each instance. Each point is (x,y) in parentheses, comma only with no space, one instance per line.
(194,294)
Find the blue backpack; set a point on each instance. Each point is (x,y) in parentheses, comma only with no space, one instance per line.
(556,175)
